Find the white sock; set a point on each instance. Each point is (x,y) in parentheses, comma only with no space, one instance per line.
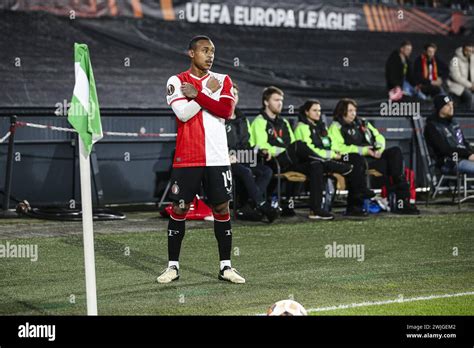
(173,263)
(225,263)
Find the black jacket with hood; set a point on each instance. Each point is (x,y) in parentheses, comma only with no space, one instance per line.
(446,138)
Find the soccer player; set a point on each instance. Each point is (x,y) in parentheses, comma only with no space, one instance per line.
(201,100)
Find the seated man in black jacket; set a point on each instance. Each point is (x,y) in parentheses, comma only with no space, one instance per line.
(452,150)
(399,74)
(244,161)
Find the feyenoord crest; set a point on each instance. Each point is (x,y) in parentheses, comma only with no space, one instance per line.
(170,89)
(175,189)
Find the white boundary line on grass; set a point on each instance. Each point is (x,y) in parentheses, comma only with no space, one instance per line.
(378,303)
(398,300)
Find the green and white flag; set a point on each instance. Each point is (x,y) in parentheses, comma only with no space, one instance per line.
(84,113)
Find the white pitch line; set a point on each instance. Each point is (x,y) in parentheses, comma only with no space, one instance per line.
(378,303)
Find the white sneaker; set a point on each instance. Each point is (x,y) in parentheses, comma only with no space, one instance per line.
(231,275)
(320,215)
(168,275)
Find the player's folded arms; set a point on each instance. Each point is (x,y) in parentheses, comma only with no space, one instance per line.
(223,108)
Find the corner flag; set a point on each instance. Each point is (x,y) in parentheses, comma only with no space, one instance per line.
(84,116)
(84,113)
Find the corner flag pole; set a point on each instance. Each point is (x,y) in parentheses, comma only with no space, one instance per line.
(88,229)
(84,116)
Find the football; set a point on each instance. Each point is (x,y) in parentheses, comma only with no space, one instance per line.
(286,308)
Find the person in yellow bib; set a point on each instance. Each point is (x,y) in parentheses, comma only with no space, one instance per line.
(312,130)
(273,135)
(352,134)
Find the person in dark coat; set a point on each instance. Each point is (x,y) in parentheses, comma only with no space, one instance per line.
(427,72)
(443,134)
(399,74)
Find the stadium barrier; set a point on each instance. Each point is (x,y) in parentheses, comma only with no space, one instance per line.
(396,135)
(24,207)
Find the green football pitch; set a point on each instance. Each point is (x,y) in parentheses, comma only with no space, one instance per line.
(405,260)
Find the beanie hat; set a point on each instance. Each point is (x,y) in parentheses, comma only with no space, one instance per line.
(440,101)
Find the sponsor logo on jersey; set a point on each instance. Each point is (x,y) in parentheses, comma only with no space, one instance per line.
(175,189)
